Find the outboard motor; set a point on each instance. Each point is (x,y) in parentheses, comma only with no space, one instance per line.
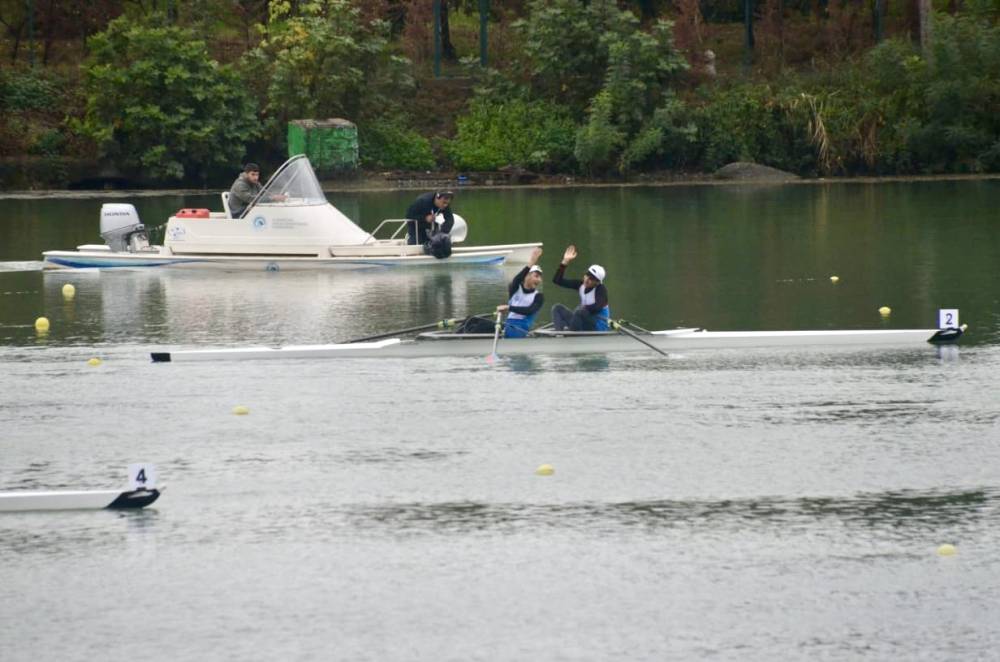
(439,245)
(459,231)
(121,229)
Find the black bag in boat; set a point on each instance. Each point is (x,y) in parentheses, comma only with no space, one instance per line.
(477,325)
(439,245)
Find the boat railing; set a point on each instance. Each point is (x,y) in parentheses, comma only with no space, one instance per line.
(399,228)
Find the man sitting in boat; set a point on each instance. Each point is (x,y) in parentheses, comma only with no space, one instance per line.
(525,299)
(245,189)
(422,213)
(593,313)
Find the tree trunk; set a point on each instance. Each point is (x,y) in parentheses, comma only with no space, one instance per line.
(447,48)
(926,13)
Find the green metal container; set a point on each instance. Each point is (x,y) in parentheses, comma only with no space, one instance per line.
(331,145)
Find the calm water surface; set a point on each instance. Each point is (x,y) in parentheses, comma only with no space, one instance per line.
(714,505)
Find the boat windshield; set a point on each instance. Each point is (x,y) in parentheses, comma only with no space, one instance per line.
(294,183)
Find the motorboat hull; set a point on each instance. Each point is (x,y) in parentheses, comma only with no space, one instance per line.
(554,343)
(100,258)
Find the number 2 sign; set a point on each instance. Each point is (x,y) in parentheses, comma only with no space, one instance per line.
(948,318)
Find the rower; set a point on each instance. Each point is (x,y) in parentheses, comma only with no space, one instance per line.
(525,299)
(593,313)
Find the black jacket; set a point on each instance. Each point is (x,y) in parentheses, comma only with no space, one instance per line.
(418,211)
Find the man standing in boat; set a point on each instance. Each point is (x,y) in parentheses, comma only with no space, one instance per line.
(593,312)
(422,213)
(525,299)
(245,189)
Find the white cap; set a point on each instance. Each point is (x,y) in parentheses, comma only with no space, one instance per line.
(535,269)
(597,271)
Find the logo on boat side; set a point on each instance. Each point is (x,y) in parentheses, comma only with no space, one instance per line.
(272,266)
(259,223)
(177,233)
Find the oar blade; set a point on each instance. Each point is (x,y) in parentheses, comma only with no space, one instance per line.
(491,359)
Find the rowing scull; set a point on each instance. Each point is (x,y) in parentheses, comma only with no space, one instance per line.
(546,342)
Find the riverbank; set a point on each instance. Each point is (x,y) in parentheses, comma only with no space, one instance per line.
(430,181)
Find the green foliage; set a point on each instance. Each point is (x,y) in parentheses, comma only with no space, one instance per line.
(171,113)
(960,91)
(595,55)
(668,138)
(49,143)
(565,56)
(781,128)
(326,61)
(28,89)
(537,135)
(598,142)
(389,143)
(572,50)
(903,112)
(641,67)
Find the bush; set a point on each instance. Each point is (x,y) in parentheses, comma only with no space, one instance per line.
(31,89)
(535,135)
(900,112)
(389,143)
(49,143)
(598,142)
(668,139)
(172,112)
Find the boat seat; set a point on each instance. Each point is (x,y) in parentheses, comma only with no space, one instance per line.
(225,204)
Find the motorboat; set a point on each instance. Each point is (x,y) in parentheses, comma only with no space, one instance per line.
(546,341)
(289,225)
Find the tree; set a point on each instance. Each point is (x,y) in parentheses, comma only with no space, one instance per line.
(327,61)
(173,112)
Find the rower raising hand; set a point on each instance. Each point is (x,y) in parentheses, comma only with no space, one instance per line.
(569,254)
(535,256)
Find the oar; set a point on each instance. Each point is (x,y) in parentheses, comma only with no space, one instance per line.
(443,324)
(496,338)
(621,329)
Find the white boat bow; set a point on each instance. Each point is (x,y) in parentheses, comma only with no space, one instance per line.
(141,492)
(77,500)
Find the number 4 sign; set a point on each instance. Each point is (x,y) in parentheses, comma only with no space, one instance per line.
(141,475)
(948,318)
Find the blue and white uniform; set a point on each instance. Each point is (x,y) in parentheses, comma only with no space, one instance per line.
(523,307)
(593,302)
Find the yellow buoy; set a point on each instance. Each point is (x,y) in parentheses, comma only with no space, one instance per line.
(884,311)
(545,470)
(834,279)
(94,361)
(42,324)
(68,291)
(947,550)
(240,410)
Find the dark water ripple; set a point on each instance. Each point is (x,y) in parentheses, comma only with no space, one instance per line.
(886,511)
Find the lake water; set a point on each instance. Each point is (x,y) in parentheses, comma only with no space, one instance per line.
(764,505)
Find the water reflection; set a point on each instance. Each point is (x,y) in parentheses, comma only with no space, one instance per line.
(260,308)
(948,353)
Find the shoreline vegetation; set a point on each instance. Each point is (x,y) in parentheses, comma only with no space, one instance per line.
(380,185)
(576,92)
